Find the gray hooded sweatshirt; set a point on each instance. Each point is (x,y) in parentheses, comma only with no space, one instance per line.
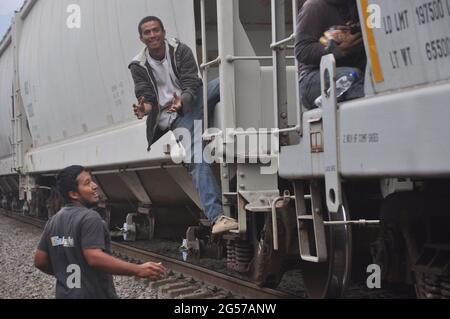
(316,17)
(185,69)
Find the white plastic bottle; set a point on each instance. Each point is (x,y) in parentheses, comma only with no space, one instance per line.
(343,84)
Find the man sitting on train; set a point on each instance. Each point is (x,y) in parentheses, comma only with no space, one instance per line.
(170,94)
(329,27)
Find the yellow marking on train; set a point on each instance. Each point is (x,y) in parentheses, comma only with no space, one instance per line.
(376,64)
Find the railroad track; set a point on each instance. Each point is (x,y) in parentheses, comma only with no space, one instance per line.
(185,281)
(25,219)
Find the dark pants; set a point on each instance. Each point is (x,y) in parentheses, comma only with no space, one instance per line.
(310,86)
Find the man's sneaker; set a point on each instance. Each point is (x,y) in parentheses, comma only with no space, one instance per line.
(224,224)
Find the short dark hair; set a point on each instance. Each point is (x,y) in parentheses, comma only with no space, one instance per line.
(66,181)
(148,19)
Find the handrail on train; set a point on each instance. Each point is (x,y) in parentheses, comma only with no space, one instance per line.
(205,65)
(276,46)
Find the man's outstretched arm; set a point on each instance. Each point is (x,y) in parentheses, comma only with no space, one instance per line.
(98,259)
(142,87)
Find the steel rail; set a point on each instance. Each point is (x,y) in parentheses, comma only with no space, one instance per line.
(234,285)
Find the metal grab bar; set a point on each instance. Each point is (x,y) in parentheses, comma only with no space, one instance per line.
(297,86)
(274,222)
(286,198)
(273,131)
(209,64)
(204,66)
(361,222)
(276,16)
(279,44)
(231,58)
(296,128)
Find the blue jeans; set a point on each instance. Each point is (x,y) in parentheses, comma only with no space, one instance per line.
(201,173)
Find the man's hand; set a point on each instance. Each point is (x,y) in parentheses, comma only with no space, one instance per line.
(152,271)
(347,37)
(177,104)
(141,109)
(98,259)
(350,43)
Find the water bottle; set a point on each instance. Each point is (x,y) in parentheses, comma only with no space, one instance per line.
(184,250)
(342,85)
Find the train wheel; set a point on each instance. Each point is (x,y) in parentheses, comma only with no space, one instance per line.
(330,279)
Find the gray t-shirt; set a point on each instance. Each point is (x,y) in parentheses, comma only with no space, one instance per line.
(71,230)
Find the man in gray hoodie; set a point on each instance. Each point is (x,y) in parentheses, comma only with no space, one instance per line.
(314,19)
(170,94)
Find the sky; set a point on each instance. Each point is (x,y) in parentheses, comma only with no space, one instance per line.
(7,8)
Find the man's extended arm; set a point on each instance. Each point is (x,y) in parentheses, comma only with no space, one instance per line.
(93,237)
(142,87)
(100,260)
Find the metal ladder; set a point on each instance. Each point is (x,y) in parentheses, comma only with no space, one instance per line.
(311,227)
(279,46)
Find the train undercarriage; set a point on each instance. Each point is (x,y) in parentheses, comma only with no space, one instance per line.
(411,244)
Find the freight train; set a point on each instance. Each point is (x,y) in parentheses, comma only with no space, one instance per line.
(330,191)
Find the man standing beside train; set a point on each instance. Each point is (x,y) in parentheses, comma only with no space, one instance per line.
(170,94)
(76,246)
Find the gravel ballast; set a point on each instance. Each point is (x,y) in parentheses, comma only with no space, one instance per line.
(19,279)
